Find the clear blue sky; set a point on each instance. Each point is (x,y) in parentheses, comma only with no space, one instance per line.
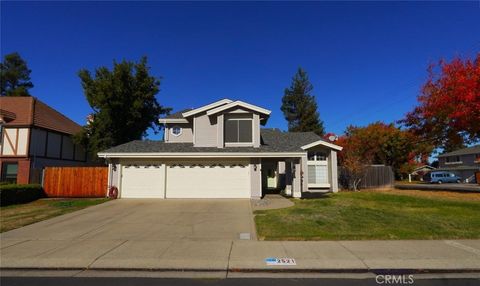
(366,61)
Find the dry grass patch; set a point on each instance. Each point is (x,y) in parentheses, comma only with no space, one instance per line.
(433,194)
(16,216)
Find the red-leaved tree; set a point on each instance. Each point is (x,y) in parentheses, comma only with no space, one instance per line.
(448,113)
(380,143)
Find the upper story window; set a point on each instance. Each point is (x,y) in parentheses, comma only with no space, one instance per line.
(453,159)
(317,156)
(477,158)
(239,130)
(176,131)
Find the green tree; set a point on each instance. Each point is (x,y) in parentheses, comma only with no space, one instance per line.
(14,76)
(300,107)
(124,105)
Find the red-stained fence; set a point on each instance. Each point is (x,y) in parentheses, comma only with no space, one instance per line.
(75,182)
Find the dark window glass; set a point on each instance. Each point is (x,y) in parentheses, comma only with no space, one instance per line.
(238,131)
(231,131)
(9,172)
(245,131)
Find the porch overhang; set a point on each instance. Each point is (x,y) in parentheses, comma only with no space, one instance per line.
(322,143)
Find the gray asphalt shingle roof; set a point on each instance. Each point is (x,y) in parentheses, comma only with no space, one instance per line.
(465,151)
(178,114)
(273,140)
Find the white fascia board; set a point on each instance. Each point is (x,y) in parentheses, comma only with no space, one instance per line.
(241,104)
(172,120)
(201,155)
(322,143)
(206,107)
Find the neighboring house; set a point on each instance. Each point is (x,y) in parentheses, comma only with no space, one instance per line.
(34,135)
(464,162)
(220,151)
(418,172)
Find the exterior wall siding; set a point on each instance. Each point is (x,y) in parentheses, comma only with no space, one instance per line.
(38,141)
(256,178)
(15,141)
(205,131)
(333,171)
(54,144)
(185,137)
(256,130)
(466,160)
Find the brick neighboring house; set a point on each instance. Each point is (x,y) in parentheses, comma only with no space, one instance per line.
(464,162)
(32,136)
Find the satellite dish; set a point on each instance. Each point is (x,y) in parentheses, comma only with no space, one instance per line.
(333,138)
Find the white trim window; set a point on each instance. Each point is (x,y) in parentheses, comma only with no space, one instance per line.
(238,131)
(176,130)
(317,170)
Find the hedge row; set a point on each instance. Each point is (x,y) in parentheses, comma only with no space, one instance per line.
(18,194)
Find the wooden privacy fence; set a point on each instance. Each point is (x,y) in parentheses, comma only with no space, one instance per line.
(79,182)
(376,177)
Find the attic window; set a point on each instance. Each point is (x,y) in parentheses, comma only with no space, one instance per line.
(176,131)
(239,130)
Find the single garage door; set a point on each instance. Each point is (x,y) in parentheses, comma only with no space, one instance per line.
(216,179)
(143,181)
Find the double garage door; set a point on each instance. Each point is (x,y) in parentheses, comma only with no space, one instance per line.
(215,179)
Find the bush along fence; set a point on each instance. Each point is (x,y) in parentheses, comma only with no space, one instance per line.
(375,177)
(75,182)
(18,194)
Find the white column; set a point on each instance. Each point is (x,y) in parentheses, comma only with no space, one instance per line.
(255,179)
(297,180)
(220,131)
(333,171)
(304,161)
(256,130)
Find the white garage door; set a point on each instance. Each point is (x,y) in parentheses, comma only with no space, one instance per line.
(143,181)
(208,180)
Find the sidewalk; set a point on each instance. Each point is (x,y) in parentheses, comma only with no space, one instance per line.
(243,256)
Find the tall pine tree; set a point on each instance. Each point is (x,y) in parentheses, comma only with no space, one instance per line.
(14,76)
(300,107)
(124,105)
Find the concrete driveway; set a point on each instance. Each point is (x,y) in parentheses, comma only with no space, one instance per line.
(172,231)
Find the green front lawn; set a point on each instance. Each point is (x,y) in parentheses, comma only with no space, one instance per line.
(15,216)
(372,215)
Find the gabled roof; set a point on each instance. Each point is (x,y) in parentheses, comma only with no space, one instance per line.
(239,103)
(424,167)
(30,111)
(465,151)
(178,114)
(176,117)
(322,142)
(206,107)
(273,141)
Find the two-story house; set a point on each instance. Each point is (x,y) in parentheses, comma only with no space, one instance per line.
(220,151)
(464,162)
(32,136)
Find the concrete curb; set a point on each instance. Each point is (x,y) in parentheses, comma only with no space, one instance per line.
(298,270)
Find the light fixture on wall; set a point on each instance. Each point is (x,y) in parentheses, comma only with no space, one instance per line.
(255,167)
